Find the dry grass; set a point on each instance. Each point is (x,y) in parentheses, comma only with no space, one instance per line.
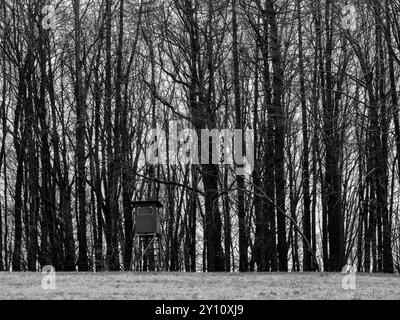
(184,286)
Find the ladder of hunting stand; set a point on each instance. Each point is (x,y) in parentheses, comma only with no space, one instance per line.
(148,247)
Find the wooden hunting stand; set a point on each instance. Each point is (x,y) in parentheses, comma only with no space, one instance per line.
(148,244)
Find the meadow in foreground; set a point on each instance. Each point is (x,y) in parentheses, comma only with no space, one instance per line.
(183,286)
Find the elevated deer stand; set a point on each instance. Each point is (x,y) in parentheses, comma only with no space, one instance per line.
(148,243)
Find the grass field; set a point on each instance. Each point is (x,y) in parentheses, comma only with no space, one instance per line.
(183,286)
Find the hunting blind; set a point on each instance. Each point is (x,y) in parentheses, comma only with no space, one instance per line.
(148,232)
(147,217)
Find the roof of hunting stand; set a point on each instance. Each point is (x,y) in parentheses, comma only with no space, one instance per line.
(137,204)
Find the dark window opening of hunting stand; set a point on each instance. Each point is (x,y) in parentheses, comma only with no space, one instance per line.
(147,217)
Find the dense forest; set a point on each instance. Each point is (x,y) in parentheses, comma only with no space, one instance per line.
(83,82)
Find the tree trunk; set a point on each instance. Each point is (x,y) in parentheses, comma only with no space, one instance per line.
(243,242)
(307,259)
(80,144)
(279,134)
